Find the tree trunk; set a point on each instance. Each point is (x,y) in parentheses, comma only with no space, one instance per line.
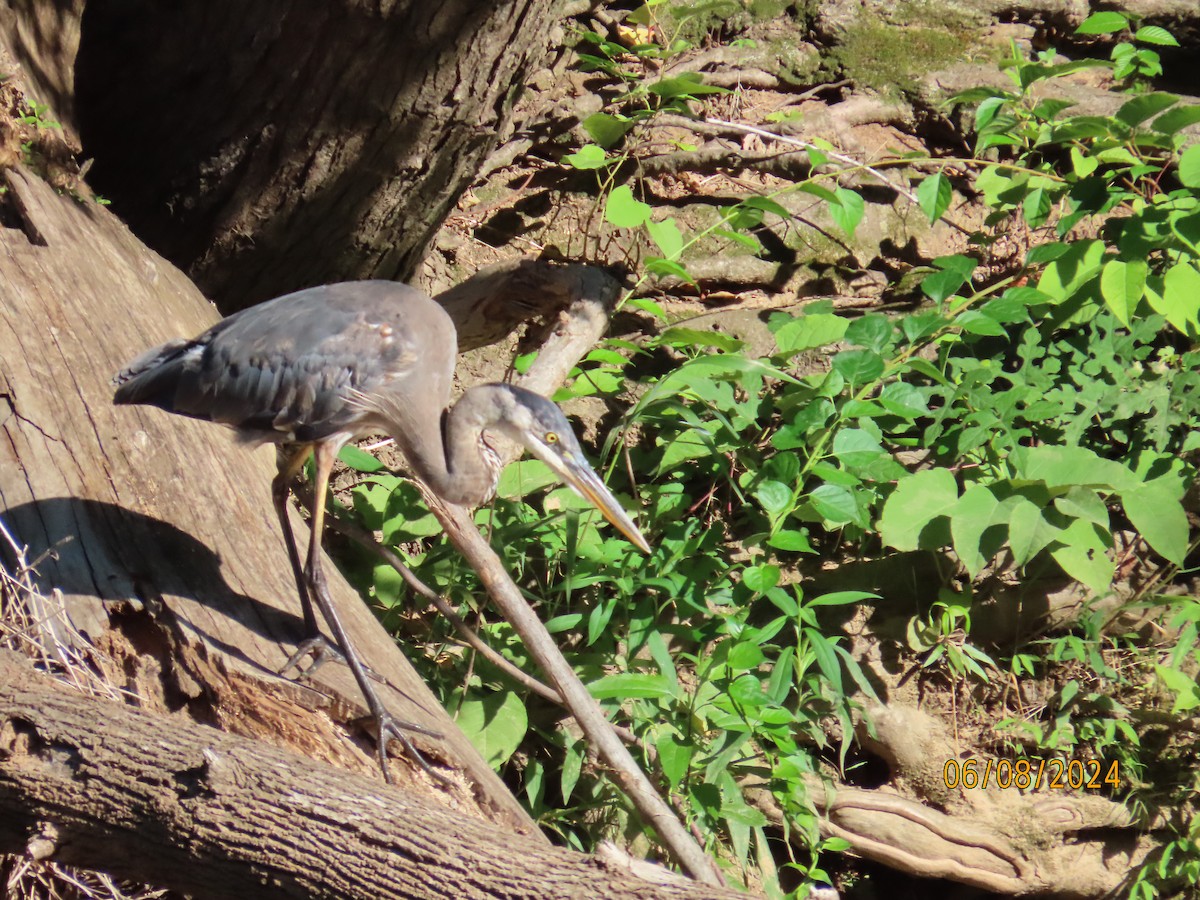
(197,811)
(271,146)
(164,543)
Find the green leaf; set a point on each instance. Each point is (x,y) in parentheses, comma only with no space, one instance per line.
(572,767)
(934,195)
(834,504)
(858,366)
(766,204)
(1156,512)
(970,517)
(524,477)
(668,268)
(1122,285)
(791,541)
(589,156)
(915,503)
(1139,109)
(495,725)
(1180,297)
(633,684)
(1177,119)
(1083,555)
(807,332)
(1063,467)
(360,460)
(774,497)
(674,757)
(689,84)
(667,236)
(691,338)
(1028,531)
(760,579)
(847,212)
(1184,687)
(606,130)
(1102,23)
(854,447)
(624,210)
(1189,167)
(1154,34)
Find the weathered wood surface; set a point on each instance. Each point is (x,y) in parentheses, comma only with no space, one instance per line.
(167,550)
(90,782)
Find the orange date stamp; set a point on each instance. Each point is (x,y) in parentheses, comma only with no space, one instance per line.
(1032,774)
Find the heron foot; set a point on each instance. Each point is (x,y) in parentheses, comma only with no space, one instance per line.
(390,727)
(322,651)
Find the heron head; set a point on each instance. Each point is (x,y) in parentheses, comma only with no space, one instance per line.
(539,425)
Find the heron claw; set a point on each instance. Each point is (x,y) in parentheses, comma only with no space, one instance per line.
(390,727)
(322,651)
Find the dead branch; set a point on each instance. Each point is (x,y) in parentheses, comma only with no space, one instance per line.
(97,784)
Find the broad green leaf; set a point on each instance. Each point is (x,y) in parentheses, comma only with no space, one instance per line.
(633,684)
(495,725)
(667,236)
(1083,503)
(572,767)
(1180,298)
(1122,285)
(674,757)
(605,129)
(774,497)
(1155,34)
(903,399)
(915,503)
(1083,554)
(1078,263)
(1063,467)
(360,460)
(934,195)
(1028,531)
(791,541)
(970,517)
(668,268)
(834,504)
(807,332)
(760,579)
(524,477)
(1142,107)
(689,84)
(1189,167)
(1102,23)
(624,210)
(847,212)
(1156,512)
(1184,687)
(589,156)
(858,366)
(854,447)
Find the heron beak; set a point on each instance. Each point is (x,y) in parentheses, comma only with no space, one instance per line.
(581,478)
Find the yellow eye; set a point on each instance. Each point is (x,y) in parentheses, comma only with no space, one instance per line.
(551,437)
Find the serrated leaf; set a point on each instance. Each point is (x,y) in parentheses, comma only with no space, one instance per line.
(1154,34)
(1102,23)
(1139,109)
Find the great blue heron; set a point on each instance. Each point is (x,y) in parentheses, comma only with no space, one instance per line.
(312,370)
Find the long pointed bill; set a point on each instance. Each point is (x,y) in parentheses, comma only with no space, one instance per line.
(580,477)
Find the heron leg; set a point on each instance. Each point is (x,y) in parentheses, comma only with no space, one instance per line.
(289,467)
(389,727)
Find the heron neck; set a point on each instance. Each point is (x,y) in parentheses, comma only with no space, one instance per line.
(468,468)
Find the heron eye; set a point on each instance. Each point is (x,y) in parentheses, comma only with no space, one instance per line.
(551,437)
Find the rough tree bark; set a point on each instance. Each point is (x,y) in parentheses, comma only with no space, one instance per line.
(167,801)
(267,147)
